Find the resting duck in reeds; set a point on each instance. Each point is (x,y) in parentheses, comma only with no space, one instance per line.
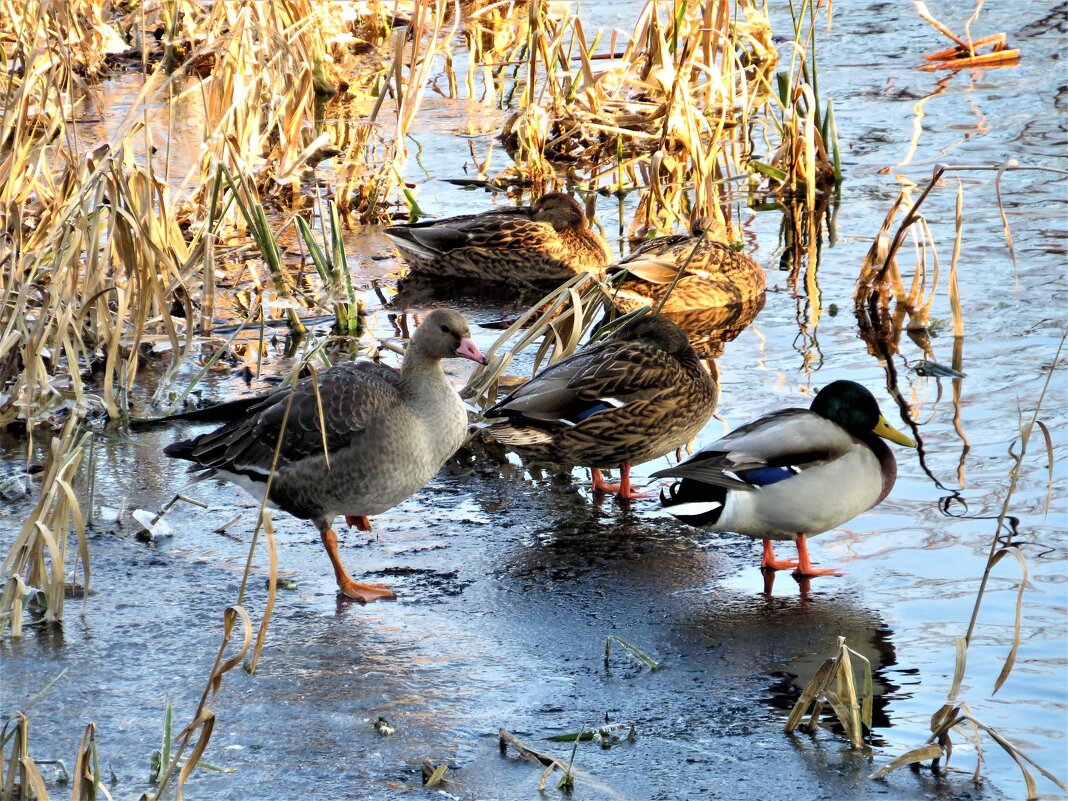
(623,400)
(717,275)
(549,241)
(791,474)
(387,432)
(711,328)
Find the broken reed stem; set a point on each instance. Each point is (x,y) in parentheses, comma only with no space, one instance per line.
(204,718)
(954,290)
(1014,474)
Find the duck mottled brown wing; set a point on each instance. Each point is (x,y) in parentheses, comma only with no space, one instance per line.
(653,269)
(482,231)
(567,391)
(512,232)
(351,396)
(629,368)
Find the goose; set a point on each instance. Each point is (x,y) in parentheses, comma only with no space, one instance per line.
(387,433)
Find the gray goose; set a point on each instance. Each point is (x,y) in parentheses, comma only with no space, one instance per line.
(623,400)
(548,241)
(388,432)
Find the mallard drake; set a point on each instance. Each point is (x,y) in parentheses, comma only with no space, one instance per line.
(548,241)
(717,275)
(791,474)
(624,400)
(387,432)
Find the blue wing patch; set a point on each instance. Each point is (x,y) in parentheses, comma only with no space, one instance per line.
(763,476)
(590,411)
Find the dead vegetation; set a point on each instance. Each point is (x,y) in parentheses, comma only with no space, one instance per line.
(111,256)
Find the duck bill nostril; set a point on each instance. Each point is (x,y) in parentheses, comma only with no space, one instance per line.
(469,350)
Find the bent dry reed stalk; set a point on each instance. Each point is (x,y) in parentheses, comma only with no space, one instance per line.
(955,713)
(881,282)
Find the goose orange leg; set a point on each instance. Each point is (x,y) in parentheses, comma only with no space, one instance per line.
(769,563)
(804,565)
(622,489)
(365,593)
(362,522)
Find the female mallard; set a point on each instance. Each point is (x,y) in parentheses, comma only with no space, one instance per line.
(717,275)
(624,400)
(387,433)
(549,241)
(791,474)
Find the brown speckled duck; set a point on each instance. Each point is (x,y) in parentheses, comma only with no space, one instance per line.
(717,275)
(548,241)
(624,400)
(388,432)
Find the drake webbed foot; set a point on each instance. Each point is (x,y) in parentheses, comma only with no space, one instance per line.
(768,562)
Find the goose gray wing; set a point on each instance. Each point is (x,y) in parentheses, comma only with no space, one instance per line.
(772,449)
(351,396)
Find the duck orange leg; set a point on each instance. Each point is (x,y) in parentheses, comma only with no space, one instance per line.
(365,593)
(622,489)
(769,563)
(804,565)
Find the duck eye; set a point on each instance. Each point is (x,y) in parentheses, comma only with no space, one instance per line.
(445,329)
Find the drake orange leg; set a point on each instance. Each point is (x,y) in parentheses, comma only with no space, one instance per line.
(364,593)
(622,489)
(804,565)
(362,522)
(769,563)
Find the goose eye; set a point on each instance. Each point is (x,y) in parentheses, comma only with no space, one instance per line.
(445,329)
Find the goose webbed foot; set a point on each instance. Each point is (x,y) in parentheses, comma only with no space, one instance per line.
(358,591)
(362,522)
(364,593)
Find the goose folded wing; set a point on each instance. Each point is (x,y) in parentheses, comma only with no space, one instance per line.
(350,395)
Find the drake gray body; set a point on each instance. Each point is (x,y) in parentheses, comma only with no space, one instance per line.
(387,433)
(548,241)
